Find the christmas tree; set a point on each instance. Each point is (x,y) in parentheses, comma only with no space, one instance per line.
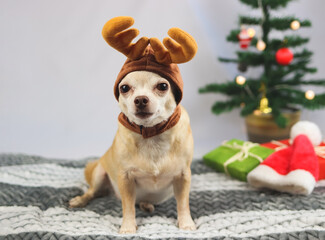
(285,63)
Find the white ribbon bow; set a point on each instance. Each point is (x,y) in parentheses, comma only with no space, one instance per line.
(242,154)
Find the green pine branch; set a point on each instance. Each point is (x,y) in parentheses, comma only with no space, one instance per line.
(277,104)
(258,58)
(317,103)
(249,20)
(251,58)
(231,88)
(226,106)
(284,71)
(319,82)
(273,4)
(284,23)
(228,60)
(281,120)
(304,69)
(233,36)
(296,96)
(287,41)
(301,59)
(279,23)
(249,107)
(300,65)
(303,54)
(296,80)
(279,73)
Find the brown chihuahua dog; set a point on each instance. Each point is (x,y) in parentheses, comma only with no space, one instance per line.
(151,154)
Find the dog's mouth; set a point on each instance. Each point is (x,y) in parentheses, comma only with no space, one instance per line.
(143,115)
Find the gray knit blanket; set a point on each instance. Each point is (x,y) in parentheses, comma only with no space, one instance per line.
(34,195)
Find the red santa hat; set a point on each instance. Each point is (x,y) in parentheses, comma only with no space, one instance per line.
(293,169)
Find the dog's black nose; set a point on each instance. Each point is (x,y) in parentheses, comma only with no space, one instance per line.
(141,101)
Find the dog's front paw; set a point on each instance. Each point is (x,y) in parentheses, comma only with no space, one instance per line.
(186,224)
(77,202)
(128,228)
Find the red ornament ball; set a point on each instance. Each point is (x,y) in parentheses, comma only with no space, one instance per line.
(284,56)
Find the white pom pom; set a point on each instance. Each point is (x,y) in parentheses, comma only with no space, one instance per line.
(310,129)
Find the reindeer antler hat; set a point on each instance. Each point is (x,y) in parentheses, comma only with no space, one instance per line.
(150,54)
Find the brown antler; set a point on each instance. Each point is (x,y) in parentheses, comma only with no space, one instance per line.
(181,50)
(121,40)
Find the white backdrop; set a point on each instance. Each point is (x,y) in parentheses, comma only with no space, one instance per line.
(57,73)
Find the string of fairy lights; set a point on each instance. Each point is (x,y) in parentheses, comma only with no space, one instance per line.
(283,56)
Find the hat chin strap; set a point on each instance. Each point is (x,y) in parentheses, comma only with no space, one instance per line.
(148,132)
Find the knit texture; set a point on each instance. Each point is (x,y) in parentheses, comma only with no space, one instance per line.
(34,195)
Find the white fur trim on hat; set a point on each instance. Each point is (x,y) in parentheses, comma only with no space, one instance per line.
(296,182)
(310,129)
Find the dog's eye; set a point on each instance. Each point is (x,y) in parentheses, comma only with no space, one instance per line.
(125,88)
(162,86)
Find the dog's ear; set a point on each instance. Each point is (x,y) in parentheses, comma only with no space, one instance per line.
(116,35)
(180,49)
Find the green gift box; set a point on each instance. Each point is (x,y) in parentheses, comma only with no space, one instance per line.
(237,158)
